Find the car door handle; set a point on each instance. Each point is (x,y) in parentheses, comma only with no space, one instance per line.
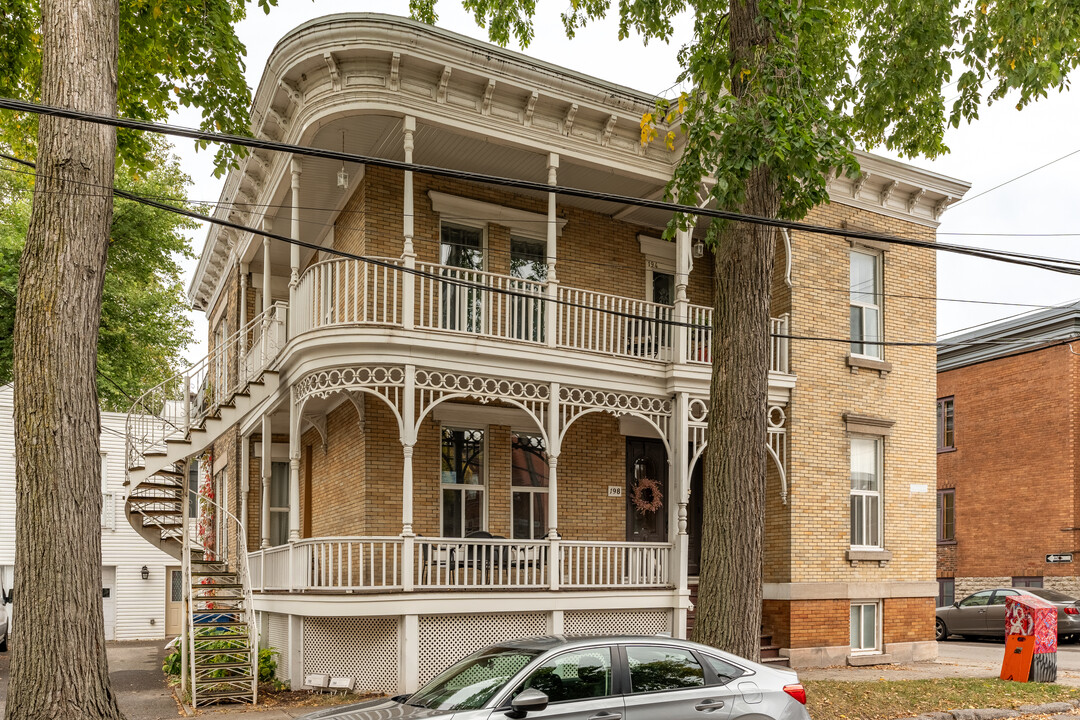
(982,612)
(709,705)
(606,716)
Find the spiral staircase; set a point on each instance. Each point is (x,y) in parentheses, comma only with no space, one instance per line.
(167,427)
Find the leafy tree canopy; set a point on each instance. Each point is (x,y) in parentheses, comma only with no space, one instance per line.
(830,75)
(144,327)
(172,54)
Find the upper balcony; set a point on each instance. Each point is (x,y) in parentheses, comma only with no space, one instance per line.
(343,293)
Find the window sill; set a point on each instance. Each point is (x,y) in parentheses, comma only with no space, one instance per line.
(945,543)
(855,362)
(881,557)
(942,451)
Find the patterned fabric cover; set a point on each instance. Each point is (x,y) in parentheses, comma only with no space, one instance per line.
(1030,615)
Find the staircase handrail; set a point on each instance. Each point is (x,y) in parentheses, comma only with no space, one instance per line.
(245,581)
(172,398)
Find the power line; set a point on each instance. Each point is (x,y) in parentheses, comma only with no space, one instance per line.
(1018,177)
(691,210)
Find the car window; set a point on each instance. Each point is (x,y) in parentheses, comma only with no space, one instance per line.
(725,672)
(1051,595)
(999,597)
(574,675)
(654,668)
(978,599)
(473,681)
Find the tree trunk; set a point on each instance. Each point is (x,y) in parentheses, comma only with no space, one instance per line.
(58,667)
(728,613)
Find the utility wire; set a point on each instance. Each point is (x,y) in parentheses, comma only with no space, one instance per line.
(691,210)
(1012,180)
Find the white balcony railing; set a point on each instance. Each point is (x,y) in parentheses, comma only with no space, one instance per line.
(597,564)
(485,304)
(346,564)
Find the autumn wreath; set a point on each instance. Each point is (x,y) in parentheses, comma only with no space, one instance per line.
(646,496)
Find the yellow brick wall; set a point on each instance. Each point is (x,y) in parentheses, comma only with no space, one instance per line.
(826,388)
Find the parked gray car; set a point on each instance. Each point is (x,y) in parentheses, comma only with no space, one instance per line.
(983,614)
(3,622)
(595,678)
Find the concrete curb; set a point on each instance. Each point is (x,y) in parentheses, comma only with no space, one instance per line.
(995,713)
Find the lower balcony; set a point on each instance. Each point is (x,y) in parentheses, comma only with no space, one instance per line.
(420,564)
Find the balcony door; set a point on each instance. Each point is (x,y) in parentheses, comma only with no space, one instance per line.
(528,267)
(647,492)
(461,253)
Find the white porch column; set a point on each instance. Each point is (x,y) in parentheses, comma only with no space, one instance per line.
(552,323)
(296,652)
(408,254)
(266,270)
(409,654)
(554,448)
(294,470)
(294,254)
(677,511)
(264,470)
(245,483)
(408,441)
(243,307)
(682,278)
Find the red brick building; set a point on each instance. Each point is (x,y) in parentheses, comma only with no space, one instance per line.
(1007,457)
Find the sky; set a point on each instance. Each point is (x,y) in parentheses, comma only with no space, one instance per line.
(1001,145)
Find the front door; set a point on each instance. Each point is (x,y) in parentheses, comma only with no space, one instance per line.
(693,517)
(646,490)
(108,600)
(174,602)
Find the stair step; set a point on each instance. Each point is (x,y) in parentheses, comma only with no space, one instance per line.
(237,651)
(213,573)
(155,511)
(222,694)
(219,636)
(231,623)
(221,680)
(217,586)
(225,665)
(150,485)
(777,661)
(177,441)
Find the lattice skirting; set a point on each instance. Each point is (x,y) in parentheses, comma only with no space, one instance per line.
(621,622)
(278,639)
(445,639)
(365,649)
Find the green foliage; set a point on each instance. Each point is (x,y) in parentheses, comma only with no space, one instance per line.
(143,324)
(822,77)
(267,663)
(172,54)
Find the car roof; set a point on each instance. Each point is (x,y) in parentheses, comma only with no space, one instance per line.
(550,642)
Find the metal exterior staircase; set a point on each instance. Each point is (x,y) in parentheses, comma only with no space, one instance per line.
(166,427)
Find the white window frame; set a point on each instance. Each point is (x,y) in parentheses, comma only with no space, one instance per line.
(461,487)
(276,508)
(862,604)
(874,352)
(533,491)
(879,452)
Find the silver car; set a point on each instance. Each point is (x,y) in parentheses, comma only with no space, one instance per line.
(595,678)
(983,614)
(3,623)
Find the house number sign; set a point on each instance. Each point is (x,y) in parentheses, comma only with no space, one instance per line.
(614,490)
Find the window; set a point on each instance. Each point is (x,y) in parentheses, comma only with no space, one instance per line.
(653,669)
(979,599)
(1000,595)
(528,263)
(864,627)
(1027,582)
(866,508)
(463,480)
(176,586)
(193,489)
(473,681)
(945,434)
(946,516)
(279,503)
(461,251)
(575,675)
(725,672)
(866,322)
(529,477)
(946,592)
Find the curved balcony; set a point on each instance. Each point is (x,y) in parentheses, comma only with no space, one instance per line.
(440,298)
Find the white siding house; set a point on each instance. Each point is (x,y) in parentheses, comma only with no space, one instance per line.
(135,609)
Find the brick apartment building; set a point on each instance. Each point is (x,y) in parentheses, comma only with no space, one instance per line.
(1007,499)
(421,467)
